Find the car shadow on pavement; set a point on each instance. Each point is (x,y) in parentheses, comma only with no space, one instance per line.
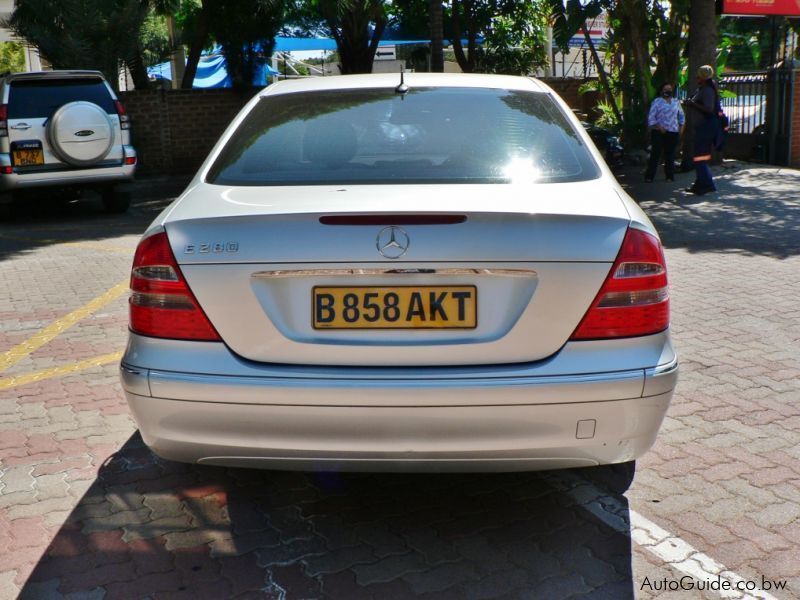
(756,210)
(153,528)
(36,222)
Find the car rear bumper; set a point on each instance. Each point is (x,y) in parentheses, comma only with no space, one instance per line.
(70,176)
(407,438)
(478,419)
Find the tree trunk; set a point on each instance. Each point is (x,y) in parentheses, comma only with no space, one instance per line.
(465,60)
(702,51)
(636,17)
(669,46)
(141,81)
(350,29)
(601,72)
(437,43)
(199,40)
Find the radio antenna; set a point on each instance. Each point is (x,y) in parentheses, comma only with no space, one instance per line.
(401,89)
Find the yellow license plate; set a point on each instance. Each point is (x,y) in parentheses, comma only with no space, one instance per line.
(28,157)
(395,307)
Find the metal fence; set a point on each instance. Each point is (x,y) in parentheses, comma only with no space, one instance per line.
(747,108)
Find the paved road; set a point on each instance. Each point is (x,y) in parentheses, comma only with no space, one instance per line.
(86,511)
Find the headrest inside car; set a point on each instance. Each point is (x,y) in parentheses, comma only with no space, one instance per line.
(330,142)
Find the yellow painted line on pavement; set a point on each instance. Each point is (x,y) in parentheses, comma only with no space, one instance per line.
(89,245)
(57,327)
(102,247)
(97,361)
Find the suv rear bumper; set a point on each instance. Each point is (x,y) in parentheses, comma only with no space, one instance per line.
(482,419)
(68,176)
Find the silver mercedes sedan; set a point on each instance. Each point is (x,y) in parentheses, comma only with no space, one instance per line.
(439,274)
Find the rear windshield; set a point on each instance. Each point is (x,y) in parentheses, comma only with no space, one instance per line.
(40,98)
(429,135)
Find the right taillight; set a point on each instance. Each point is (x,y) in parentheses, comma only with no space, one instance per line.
(124,119)
(634,299)
(3,120)
(161,303)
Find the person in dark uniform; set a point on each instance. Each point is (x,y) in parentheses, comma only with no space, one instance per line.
(704,102)
(666,121)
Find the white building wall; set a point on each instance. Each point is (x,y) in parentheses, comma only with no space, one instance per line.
(6,8)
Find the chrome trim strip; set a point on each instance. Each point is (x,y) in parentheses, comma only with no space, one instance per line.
(445,391)
(420,380)
(135,380)
(661,379)
(423,271)
(663,369)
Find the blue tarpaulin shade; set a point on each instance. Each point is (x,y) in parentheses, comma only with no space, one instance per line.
(292,44)
(212,73)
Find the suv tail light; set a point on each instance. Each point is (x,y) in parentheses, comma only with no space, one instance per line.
(3,120)
(161,303)
(124,119)
(634,299)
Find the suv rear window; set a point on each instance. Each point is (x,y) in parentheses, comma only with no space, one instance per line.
(40,98)
(429,135)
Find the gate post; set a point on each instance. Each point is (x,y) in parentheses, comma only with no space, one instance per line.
(794,131)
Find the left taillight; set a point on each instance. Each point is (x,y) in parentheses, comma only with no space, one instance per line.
(634,299)
(161,303)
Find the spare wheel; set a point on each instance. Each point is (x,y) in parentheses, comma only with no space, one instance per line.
(80,133)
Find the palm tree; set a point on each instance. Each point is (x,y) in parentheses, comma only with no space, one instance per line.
(349,23)
(201,21)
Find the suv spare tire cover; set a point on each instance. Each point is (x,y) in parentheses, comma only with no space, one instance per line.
(80,133)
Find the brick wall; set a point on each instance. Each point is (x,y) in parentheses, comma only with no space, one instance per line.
(568,90)
(794,150)
(173,130)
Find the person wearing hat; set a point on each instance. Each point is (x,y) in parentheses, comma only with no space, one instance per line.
(704,102)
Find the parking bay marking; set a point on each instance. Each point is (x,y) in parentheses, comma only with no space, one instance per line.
(97,361)
(57,327)
(675,552)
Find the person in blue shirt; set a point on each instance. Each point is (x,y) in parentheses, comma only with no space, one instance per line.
(665,121)
(705,102)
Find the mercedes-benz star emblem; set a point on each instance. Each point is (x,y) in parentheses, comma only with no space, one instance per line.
(392,242)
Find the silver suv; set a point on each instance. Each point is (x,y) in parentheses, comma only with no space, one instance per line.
(64,129)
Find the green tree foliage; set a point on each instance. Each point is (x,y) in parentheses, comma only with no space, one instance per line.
(12,57)
(246,31)
(514,35)
(193,19)
(154,39)
(105,34)
(515,41)
(84,34)
(643,49)
(745,44)
(357,27)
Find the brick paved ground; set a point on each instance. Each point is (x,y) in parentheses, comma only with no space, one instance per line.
(86,511)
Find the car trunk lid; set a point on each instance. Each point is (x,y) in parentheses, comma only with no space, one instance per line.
(535,257)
